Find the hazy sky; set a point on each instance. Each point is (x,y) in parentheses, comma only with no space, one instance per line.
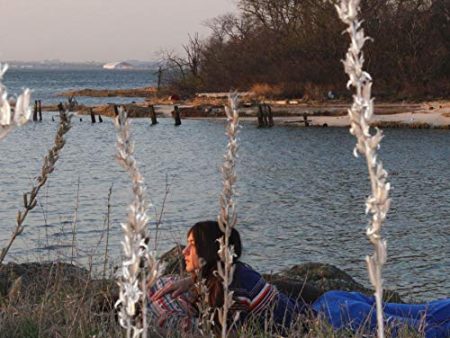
(101,30)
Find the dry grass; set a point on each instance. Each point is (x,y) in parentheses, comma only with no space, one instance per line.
(61,301)
(72,304)
(317,327)
(265,90)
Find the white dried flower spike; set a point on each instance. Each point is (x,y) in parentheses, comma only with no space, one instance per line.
(360,113)
(9,118)
(227,215)
(133,278)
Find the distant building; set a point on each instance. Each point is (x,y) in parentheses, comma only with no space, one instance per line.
(118,65)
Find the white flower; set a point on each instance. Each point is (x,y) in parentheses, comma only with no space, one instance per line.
(21,113)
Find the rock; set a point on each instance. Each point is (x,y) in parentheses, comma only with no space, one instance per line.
(33,283)
(326,277)
(32,280)
(173,261)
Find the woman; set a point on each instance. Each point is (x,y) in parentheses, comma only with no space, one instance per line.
(254,298)
(174,301)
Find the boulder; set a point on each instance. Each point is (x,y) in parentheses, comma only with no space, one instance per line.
(325,277)
(32,280)
(33,283)
(173,262)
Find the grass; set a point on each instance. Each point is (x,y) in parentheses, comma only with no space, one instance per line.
(59,300)
(73,304)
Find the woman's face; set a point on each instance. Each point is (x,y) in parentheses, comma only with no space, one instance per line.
(190,255)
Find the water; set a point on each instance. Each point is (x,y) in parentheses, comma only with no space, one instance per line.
(47,84)
(301,195)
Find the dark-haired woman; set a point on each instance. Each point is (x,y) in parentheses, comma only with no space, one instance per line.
(254,298)
(173,302)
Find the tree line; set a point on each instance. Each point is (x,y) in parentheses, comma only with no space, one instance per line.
(294,48)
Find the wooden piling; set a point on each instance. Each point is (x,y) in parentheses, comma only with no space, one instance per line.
(153,115)
(35,111)
(270,115)
(265,114)
(259,115)
(92,115)
(40,110)
(176,116)
(305,119)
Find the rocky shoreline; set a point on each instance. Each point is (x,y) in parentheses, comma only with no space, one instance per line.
(30,282)
(328,113)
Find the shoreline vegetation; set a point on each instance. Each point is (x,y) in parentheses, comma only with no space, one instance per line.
(434,114)
(43,299)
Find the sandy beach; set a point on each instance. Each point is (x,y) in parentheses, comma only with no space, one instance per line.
(330,113)
(433,114)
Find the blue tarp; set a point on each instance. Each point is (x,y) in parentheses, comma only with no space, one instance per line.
(357,312)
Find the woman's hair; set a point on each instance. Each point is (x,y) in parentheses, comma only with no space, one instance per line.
(206,238)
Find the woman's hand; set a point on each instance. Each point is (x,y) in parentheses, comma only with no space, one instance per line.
(176,288)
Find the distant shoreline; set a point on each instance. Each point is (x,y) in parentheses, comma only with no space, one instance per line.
(330,113)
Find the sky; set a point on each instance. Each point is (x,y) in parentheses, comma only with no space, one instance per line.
(101,30)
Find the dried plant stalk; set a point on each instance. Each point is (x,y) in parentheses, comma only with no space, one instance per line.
(227,216)
(9,118)
(360,114)
(30,198)
(132,275)
(206,312)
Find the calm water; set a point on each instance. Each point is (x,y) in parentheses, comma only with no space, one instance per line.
(46,84)
(301,195)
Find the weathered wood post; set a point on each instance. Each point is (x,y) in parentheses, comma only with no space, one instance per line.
(40,110)
(100,120)
(176,115)
(35,111)
(270,115)
(92,115)
(61,107)
(153,115)
(265,114)
(259,114)
(305,119)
